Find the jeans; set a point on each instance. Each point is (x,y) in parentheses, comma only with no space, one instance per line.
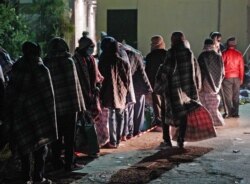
(128,120)
(139,110)
(157,101)
(116,124)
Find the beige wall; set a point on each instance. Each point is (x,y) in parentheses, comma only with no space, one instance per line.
(196,18)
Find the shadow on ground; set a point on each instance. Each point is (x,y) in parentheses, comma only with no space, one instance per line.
(144,171)
(154,166)
(10,172)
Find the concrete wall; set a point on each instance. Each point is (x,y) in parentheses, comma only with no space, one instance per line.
(196,18)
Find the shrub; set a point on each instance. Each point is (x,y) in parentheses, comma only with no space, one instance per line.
(13,30)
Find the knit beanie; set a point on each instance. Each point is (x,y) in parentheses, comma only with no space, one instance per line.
(157,42)
(231,42)
(85,42)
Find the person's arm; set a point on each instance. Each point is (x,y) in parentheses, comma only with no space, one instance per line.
(241,68)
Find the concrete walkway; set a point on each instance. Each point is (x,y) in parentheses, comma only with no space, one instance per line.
(229,162)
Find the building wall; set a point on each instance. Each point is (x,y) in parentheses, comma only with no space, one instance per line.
(196,18)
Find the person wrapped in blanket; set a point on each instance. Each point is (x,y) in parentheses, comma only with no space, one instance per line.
(179,78)
(212,73)
(115,87)
(90,80)
(135,112)
(29,111)
(68,98)
(89,75)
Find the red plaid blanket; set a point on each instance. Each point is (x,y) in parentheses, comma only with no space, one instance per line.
(199,126)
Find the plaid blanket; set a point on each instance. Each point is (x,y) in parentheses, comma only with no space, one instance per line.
(179,77)
(211,103)
(199,126)
(30,106)
(102,127)
(68,92)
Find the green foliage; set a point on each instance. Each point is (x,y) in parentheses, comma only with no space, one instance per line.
(53,20)
(40,21)
(13,31)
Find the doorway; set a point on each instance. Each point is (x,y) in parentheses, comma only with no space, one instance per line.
(122,25)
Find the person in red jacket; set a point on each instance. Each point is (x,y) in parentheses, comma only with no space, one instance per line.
(234,74)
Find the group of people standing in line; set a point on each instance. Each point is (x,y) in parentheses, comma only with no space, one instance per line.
(44,97)
(179,80)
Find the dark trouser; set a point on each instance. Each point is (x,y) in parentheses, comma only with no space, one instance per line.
(231,87)
(165,127)
(222,95)
(39,164)
(157,108)
(128,120)
(66,132)
(182,128)
(116,124)
(139,110)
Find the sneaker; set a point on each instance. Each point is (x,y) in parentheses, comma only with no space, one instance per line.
(123,138)
(44,181)
(110,146)
(166,144)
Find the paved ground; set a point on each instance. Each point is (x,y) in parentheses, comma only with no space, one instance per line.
(224,159)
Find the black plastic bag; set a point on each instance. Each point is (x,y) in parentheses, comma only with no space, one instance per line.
(86,138)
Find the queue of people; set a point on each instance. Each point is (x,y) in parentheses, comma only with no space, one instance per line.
(45,97)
